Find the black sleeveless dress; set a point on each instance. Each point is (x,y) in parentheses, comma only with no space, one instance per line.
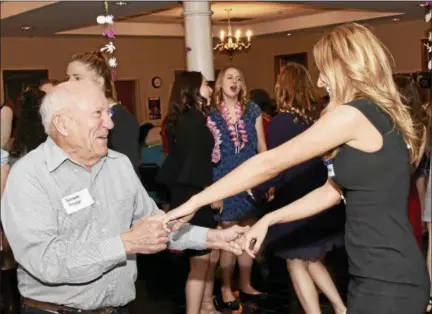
(388,270)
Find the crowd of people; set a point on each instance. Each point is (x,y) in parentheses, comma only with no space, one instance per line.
(293,177)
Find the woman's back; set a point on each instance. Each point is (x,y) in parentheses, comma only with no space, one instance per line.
(312,237)
(189,160)
(303,178)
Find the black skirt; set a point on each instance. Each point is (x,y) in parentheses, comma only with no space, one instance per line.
(371,296)
(181,193)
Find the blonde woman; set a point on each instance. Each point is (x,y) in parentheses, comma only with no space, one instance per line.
(236,124)
(373,142)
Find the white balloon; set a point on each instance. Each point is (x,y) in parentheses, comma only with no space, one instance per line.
(101,19)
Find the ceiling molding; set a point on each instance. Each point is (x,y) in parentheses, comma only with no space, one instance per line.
(264,28)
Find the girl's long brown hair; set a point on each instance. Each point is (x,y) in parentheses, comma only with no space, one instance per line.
(185,94)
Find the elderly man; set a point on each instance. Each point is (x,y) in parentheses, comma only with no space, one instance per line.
(68,208)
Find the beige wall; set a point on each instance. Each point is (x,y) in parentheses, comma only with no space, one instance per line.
(143,58)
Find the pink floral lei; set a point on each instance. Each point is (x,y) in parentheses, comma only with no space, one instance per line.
(216,154)
(238,145)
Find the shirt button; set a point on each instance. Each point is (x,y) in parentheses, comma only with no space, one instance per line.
(97,203)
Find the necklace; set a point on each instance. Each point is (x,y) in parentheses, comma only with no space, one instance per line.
(237,130)
(298,114)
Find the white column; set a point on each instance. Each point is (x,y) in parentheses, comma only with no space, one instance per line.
(198,37)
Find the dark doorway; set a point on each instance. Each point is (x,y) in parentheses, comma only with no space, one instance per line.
(16,81)
(280,61)
(126,94)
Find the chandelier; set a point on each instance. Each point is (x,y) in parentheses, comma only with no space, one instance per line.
(231,45)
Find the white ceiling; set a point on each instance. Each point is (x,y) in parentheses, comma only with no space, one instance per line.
(241,12)
(164,18)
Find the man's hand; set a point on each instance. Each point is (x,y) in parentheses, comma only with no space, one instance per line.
(226,239)
(147,236)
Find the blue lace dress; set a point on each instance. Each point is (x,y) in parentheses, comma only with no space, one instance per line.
(239,206)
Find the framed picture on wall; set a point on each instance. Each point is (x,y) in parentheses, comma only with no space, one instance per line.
(154,108)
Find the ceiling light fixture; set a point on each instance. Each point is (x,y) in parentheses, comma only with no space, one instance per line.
(288,34)
(121,3)
(421,5)
(231,44)
(396,19)
(25,28)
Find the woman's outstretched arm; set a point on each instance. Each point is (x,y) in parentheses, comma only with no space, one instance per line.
(311,204)
(335,128)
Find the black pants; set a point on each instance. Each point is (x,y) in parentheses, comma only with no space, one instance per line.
(31,310)
(370,296)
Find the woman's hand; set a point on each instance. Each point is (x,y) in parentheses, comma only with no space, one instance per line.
(218,205)
(175,218)
(254,238)
(270,195)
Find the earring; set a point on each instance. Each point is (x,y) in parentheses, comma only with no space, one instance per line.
(328,90)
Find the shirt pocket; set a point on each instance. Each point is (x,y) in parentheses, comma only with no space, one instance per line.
(123,209)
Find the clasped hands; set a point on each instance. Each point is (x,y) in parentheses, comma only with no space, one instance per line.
(235,239)
(150,235)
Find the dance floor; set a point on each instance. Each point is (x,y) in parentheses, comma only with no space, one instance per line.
(162,277)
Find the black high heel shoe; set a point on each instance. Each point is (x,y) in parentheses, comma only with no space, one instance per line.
(246,297)
(235,307)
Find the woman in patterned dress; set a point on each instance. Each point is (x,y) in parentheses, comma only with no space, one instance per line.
(237,127)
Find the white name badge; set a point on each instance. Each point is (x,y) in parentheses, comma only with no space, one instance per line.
(330,171)
(77,201)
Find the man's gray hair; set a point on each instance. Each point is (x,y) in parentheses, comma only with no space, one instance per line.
(66,95)
(53,102)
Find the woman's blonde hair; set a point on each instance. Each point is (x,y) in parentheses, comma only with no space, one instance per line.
(243,97)
(356,64)
(296,92)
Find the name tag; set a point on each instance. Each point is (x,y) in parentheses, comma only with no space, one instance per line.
(77,201)
(330,168)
